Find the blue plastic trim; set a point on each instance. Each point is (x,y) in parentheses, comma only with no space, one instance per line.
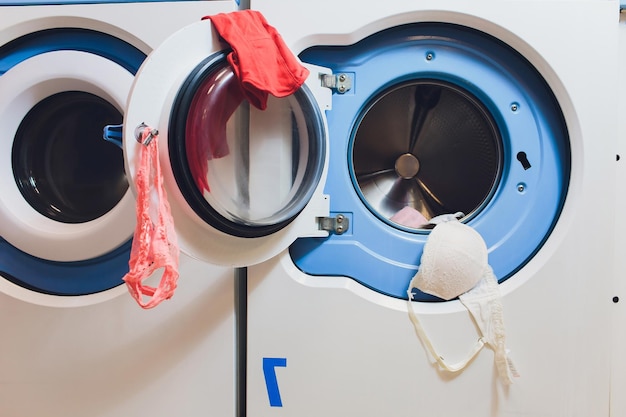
(67,278)
(72,39)
(114,135)
(514,224)
(64,278)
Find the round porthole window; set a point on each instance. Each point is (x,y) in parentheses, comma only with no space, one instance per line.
(66,208)
(425,148)
(243,171)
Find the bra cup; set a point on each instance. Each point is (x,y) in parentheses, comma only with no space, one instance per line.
(455,259)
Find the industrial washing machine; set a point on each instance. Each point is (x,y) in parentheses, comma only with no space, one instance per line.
(437,107)
(67,219)
(509,123)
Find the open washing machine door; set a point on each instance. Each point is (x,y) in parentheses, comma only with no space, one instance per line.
(242,183)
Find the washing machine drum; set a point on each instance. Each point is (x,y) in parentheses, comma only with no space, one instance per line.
(240,181)
(66,212)
(60,167)
(425,148)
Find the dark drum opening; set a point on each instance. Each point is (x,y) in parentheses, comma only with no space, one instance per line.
(61,164)
(425,148)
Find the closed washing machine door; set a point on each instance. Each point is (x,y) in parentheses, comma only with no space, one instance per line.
(66,211)
(242,183)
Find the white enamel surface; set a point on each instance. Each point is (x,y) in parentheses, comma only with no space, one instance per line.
(150,102)
(618,359)
(351,351)
(114,359)
(144,25)
(23,87)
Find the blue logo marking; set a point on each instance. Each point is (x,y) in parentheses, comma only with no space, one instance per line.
(269,371)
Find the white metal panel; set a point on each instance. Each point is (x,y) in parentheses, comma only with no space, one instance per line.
(350,351)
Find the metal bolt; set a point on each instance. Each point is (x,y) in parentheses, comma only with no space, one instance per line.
(520,188)
(341,88)
(342,77)
(339,218)
(514,107)
(429,56)
(339,229)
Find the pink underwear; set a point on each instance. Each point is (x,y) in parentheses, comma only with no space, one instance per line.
(154,245)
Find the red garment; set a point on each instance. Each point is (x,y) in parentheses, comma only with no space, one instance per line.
(262,64)
(260,59)
(212,106)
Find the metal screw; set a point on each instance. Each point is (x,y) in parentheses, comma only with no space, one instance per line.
(339,218)
(520,188)
(139,133)
(429,56)
(341,88)
(342,77)
(514,107)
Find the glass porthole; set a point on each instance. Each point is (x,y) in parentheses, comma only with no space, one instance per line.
(244,171)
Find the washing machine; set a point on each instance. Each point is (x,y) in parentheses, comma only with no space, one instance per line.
(487,108)
(501,113)
(75,343)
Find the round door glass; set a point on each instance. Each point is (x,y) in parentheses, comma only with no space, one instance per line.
(245,171)
(425,148)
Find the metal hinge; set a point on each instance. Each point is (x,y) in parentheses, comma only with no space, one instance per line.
(340,82)
(338,224)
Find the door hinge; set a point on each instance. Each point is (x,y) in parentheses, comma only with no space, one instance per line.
(339,82)
(338,224)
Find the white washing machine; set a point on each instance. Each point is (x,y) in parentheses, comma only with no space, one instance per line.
(529,165)
(67,218)
(439,107)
